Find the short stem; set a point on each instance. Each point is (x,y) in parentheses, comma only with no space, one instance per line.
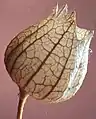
(22,100)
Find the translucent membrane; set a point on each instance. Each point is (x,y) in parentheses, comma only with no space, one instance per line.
(48,61)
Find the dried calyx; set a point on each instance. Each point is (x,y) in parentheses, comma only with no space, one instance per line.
(48,61)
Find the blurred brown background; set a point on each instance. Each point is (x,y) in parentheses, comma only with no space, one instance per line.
(16,15)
